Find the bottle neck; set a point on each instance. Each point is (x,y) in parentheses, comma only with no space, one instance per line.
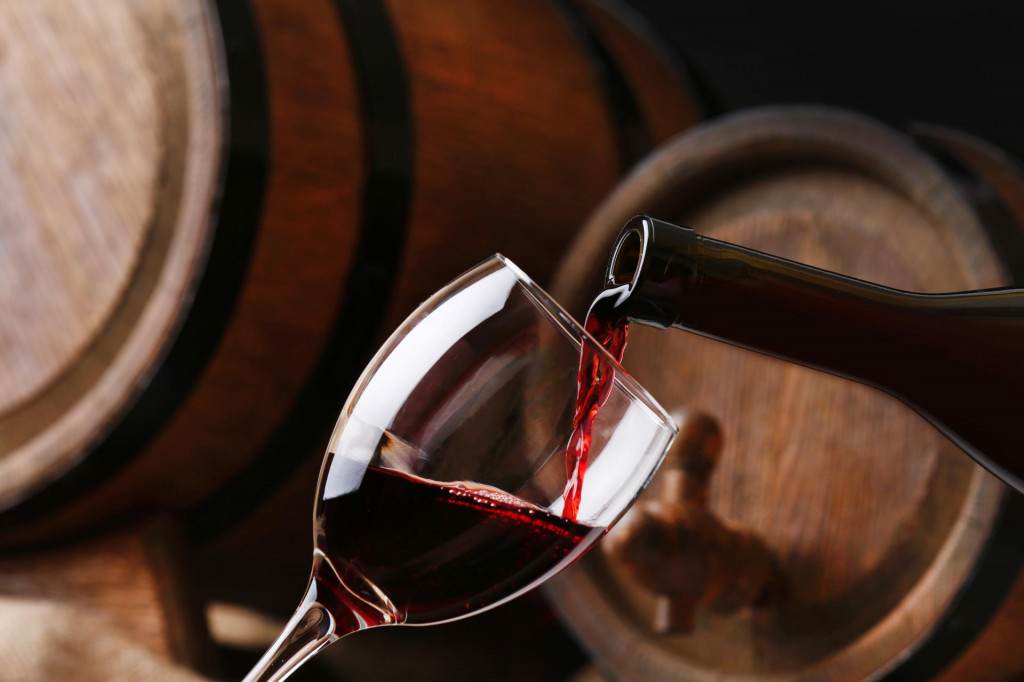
(765,303)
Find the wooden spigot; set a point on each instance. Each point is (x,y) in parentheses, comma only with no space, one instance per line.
(676,548)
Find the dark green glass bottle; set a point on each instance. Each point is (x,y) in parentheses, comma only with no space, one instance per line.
(957,358)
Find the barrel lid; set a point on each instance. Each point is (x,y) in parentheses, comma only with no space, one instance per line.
(110,146)
(875,519)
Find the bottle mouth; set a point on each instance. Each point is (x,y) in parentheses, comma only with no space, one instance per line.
(652,266)
(627,255)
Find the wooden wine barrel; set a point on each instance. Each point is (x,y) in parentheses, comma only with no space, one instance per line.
(212,213)
(900,556)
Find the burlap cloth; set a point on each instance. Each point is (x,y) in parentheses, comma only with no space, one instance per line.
(48,641)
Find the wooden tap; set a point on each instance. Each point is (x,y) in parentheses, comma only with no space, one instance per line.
(676,548)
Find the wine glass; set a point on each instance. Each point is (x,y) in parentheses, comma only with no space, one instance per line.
(441,493)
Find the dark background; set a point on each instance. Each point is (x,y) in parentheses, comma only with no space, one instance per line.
(955,64)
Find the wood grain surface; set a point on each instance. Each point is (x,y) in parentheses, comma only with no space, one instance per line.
(875,519)
(117,147)
(67,157)
(110,152)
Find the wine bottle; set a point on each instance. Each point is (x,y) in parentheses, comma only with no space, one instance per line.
(955,358)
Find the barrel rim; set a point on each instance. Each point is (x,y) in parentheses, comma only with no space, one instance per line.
(206,305)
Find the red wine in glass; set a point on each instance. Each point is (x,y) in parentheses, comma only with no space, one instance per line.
(430,552)
(607,326)
(441,493)
(472,545)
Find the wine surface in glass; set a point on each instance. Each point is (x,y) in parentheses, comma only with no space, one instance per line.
(594,383)
(430,552)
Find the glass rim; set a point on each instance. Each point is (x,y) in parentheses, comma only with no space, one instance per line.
(573,331)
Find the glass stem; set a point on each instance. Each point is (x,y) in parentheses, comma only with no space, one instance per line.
(311,628)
